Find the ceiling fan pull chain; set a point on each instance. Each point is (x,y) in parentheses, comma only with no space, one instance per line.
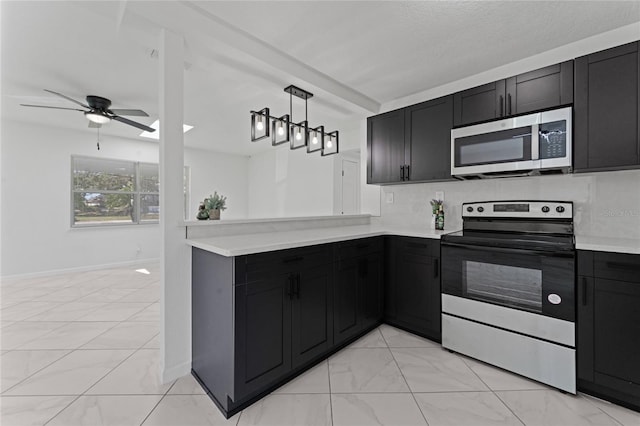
(98,141)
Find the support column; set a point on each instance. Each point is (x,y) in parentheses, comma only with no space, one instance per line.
(175,269)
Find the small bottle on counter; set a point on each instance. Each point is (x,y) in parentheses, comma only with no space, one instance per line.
(440,218)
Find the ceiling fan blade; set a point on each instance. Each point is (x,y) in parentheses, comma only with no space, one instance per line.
(44,106)
(132,112)
(93,125)
(67,98)
(133,123)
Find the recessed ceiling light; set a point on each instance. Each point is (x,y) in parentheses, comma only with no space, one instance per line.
(156,134)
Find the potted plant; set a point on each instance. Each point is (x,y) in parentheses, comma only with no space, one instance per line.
(214,204)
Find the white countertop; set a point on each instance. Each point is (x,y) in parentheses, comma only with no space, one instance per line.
(617,245)
(238,245)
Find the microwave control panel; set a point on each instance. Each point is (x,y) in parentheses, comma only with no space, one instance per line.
(552,138)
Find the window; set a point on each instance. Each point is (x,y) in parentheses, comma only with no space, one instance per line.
(114,192)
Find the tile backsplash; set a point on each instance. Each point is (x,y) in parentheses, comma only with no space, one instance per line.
(606,204)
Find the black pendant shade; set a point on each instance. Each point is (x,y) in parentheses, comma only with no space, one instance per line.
(299,135)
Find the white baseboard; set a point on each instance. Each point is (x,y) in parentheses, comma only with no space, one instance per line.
(172,373)
(137,262)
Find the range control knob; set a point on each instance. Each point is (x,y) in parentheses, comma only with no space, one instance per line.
(480,209)
(560,209)
(469,209)
(545,209)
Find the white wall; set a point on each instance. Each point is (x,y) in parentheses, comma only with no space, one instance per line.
(36,199)
(226,173)
(286,183)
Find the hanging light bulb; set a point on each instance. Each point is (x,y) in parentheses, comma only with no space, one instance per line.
(281,129)
(299,134)
(315,138)
(329,143)
(260,124)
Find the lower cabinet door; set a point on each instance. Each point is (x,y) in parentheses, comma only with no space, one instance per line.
(311,313)
(617,335)
(371,289)
(262,333)
(346,319)
(416,287)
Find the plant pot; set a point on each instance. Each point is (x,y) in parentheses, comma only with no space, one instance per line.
(214,214)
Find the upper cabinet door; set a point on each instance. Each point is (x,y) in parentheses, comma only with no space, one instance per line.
(480,103)
(606,110)
(532,91)
(385,147)
(544,88)
(428,133)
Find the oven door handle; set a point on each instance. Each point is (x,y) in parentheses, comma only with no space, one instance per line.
(510,250)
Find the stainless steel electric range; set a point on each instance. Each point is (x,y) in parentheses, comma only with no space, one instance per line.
(508,288)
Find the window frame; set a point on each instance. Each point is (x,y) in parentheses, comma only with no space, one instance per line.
(136,194)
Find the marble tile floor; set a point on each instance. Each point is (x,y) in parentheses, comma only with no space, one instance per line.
(82,349)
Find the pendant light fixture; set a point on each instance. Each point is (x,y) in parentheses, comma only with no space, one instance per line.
(284,129)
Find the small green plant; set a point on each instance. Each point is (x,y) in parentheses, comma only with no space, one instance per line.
(215,202)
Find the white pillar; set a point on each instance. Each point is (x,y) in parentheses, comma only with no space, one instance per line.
(175,269)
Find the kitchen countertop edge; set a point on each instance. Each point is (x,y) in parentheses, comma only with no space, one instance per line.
(238,245)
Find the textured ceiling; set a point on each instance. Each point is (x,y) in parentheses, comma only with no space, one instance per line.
(240,55)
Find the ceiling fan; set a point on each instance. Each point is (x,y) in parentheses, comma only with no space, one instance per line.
(98,112)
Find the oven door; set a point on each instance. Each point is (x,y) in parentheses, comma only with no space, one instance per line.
(538,281)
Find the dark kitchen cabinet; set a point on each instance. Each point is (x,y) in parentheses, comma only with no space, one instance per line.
(411,144)
(385,147)
(412,285)
(358,287)
(259,319)
(263,319)
(607,107)
(608,326)
(428,145)
(536,90)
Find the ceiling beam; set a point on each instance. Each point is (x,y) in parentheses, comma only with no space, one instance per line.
(189,19)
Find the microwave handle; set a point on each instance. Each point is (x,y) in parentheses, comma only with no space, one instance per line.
(535,142)
(501,106)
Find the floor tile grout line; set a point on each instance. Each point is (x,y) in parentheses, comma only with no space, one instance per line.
(65,407)
(330,391)
(407,383)
(36,372)
(153,409)
(593,404)
(509,408)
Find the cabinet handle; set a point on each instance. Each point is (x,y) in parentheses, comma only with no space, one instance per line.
(501,105)
(298,286)
(293,259)
(584,291)
(408,172)
(509,98)
(436,267)
(401,172)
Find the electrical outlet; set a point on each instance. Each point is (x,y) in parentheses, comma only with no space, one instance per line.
(440,195)
(389,197)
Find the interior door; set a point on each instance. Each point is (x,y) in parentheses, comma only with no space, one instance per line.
(350,197)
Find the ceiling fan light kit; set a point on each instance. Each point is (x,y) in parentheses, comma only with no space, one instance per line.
(96,117)
(299,135)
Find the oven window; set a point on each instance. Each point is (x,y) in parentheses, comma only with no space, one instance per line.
(507,285)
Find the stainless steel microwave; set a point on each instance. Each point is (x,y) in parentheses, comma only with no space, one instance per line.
(529,144)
